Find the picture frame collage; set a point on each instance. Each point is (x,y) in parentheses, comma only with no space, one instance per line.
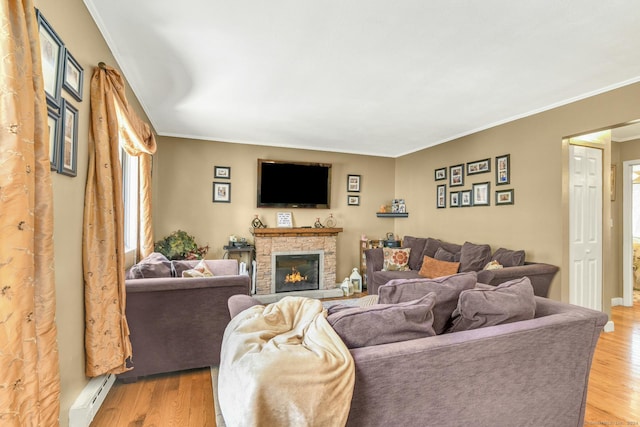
(60,70)
(221,189)
(353,186)
(480,192)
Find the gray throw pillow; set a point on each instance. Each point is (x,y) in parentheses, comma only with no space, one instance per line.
(506,303)
(447,291)
(383,323)
(445,255)
(153,266)
(508,258)
(474,257)
(417,245)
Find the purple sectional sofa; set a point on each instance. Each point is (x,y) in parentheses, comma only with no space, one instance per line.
(472,257)
(531,372)
(177,323)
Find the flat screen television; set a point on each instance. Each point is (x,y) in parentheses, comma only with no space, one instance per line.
(293,184)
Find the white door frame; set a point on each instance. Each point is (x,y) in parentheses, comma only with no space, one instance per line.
(627,231)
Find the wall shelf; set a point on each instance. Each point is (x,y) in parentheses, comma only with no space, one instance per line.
(392,215)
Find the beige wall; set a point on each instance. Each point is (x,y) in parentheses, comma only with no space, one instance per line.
(539,163)
(74,25)
(183,177)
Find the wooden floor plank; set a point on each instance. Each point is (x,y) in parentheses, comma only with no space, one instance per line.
(186,399)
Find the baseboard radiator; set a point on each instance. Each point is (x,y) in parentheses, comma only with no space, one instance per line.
(88,402)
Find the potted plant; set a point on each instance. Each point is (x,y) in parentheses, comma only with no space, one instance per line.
(180,245)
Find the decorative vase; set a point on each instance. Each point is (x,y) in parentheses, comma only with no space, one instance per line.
(356,279)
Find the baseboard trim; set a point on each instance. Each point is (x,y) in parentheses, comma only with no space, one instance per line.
(617,301)
(609,326)
(88,402)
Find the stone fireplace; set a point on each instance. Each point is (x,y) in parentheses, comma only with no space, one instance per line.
(304,248)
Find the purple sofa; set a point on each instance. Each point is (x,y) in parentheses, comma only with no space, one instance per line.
(177,323)
(472,257)
(525,373)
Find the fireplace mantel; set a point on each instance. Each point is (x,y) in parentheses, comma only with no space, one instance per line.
(295,232)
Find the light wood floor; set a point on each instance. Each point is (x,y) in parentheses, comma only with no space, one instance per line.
(186,399)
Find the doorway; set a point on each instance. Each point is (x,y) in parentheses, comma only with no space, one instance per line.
(585,235)
(631,230)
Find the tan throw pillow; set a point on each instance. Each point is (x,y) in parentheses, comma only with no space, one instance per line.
(200,270)
(432,268)
(396,259)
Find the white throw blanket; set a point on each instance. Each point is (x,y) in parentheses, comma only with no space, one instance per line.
(284,365)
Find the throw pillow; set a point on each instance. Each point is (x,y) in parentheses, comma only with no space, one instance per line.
(153,266)
(506,303)
(493,265)
(474,257)
(383,323)
(447,290)
(200,270)
(416,244)
(432,268)
(508,258)
(396,259)
(445,255)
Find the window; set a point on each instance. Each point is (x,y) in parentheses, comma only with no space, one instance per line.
(130,198)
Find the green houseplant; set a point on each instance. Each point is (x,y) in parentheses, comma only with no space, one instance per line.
(180,245)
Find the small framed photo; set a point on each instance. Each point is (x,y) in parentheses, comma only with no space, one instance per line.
(504,197)
(441,200)
(68,160)
(73,76)
(353,200)
(222,172)
(284,219)
(465,199)
(441,174)
(481,194)
(52,55)
(503,174)
(53,123)
(479,166)
(454,199)
(456,176)
(222,192)
(353,183)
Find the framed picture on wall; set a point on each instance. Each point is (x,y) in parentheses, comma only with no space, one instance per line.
(353,200)
(222,192)
(456,176)
(73,76)
(504,197)
(465,198)
(441,196)
(68,161)
(479,166)
(441,174)
(481,194)
(454,199)
(52,57)
(53,122)
(223,172)
(353,183)
(503,174)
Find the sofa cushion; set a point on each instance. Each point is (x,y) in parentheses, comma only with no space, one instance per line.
(447,291)
(383,323)
(508,258)
(432,245)
(506,303)
(416,244)
(153,266)
(200,270)
(396,259)
(474,257)
(432,268)
(382,277)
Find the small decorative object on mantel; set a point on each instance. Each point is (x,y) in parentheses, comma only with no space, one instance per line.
(318,224)
(331,222)
(256,223)
(284,220)
(398,206)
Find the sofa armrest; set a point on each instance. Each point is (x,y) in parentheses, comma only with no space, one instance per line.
(540,274)
(375,262)
(239,303)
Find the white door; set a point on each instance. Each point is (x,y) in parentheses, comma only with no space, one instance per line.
(585,207)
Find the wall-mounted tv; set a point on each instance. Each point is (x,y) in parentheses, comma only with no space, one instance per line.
(293,184)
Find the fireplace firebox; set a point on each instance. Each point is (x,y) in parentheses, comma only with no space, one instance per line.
(296,271)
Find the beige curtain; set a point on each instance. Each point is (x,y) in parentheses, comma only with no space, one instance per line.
(112,124)
(30,380)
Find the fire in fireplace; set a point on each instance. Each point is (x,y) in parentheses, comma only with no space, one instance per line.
(296,271)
